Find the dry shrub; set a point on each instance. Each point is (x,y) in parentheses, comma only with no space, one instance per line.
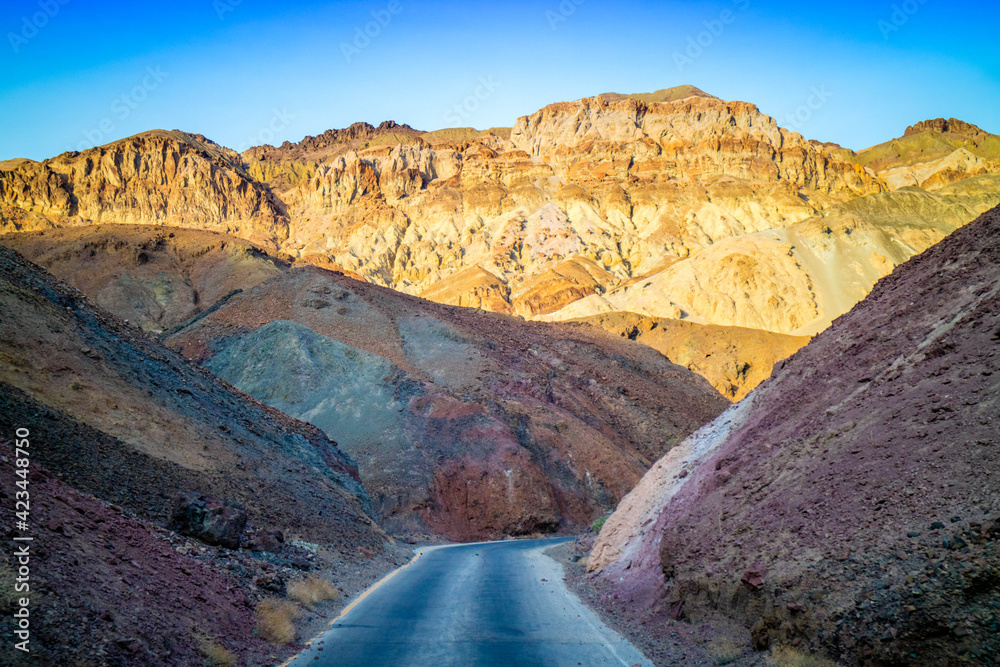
(216,655)
(786,656)
(276,620)
(724,651)
(311,590)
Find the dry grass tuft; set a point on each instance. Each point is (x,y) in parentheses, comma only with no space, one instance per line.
(311,590)
(216,655)
(786,656)
(724,651)
(276,620)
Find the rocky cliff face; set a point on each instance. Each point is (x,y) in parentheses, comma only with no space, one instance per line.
(622,183)
(156,178)
(290,164)
(673,204)
(846,506)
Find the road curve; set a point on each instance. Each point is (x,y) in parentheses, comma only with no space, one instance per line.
(491,603)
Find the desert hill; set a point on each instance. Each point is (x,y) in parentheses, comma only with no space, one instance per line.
(733,359)
(156,278)
(559,420)
(124,432)
(467,424)
(664,95)
(135,423)
(933,154)
(850,505)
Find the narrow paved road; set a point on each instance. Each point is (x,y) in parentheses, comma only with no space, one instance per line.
(494,603)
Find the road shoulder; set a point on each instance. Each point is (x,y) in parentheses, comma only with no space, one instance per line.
(665,642)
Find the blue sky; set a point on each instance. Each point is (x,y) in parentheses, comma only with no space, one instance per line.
(242,72)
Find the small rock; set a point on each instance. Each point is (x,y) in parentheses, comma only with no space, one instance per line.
(267,540)
(754,577)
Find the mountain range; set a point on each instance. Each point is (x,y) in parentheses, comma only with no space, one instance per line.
(674,205)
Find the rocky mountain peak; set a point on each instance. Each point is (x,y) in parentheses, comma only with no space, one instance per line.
(663,95)
(330,142)
(950,126)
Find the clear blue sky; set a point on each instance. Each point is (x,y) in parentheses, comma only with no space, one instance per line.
(246,72)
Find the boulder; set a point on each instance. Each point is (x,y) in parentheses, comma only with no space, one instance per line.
(266,540)
(210,520)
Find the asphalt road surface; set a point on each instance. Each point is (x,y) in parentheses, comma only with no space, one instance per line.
(492,603)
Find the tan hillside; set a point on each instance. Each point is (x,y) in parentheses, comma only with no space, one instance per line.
(797,279)
(154,277)
(733,359)
(153,178)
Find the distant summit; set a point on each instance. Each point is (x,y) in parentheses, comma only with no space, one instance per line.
(664,95)
(334,142)
(933,154)
(952,126)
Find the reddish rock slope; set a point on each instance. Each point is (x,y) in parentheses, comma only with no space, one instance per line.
(106,589)
(467,424)
(852,504)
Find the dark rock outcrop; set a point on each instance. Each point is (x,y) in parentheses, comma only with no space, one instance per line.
(211,520)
